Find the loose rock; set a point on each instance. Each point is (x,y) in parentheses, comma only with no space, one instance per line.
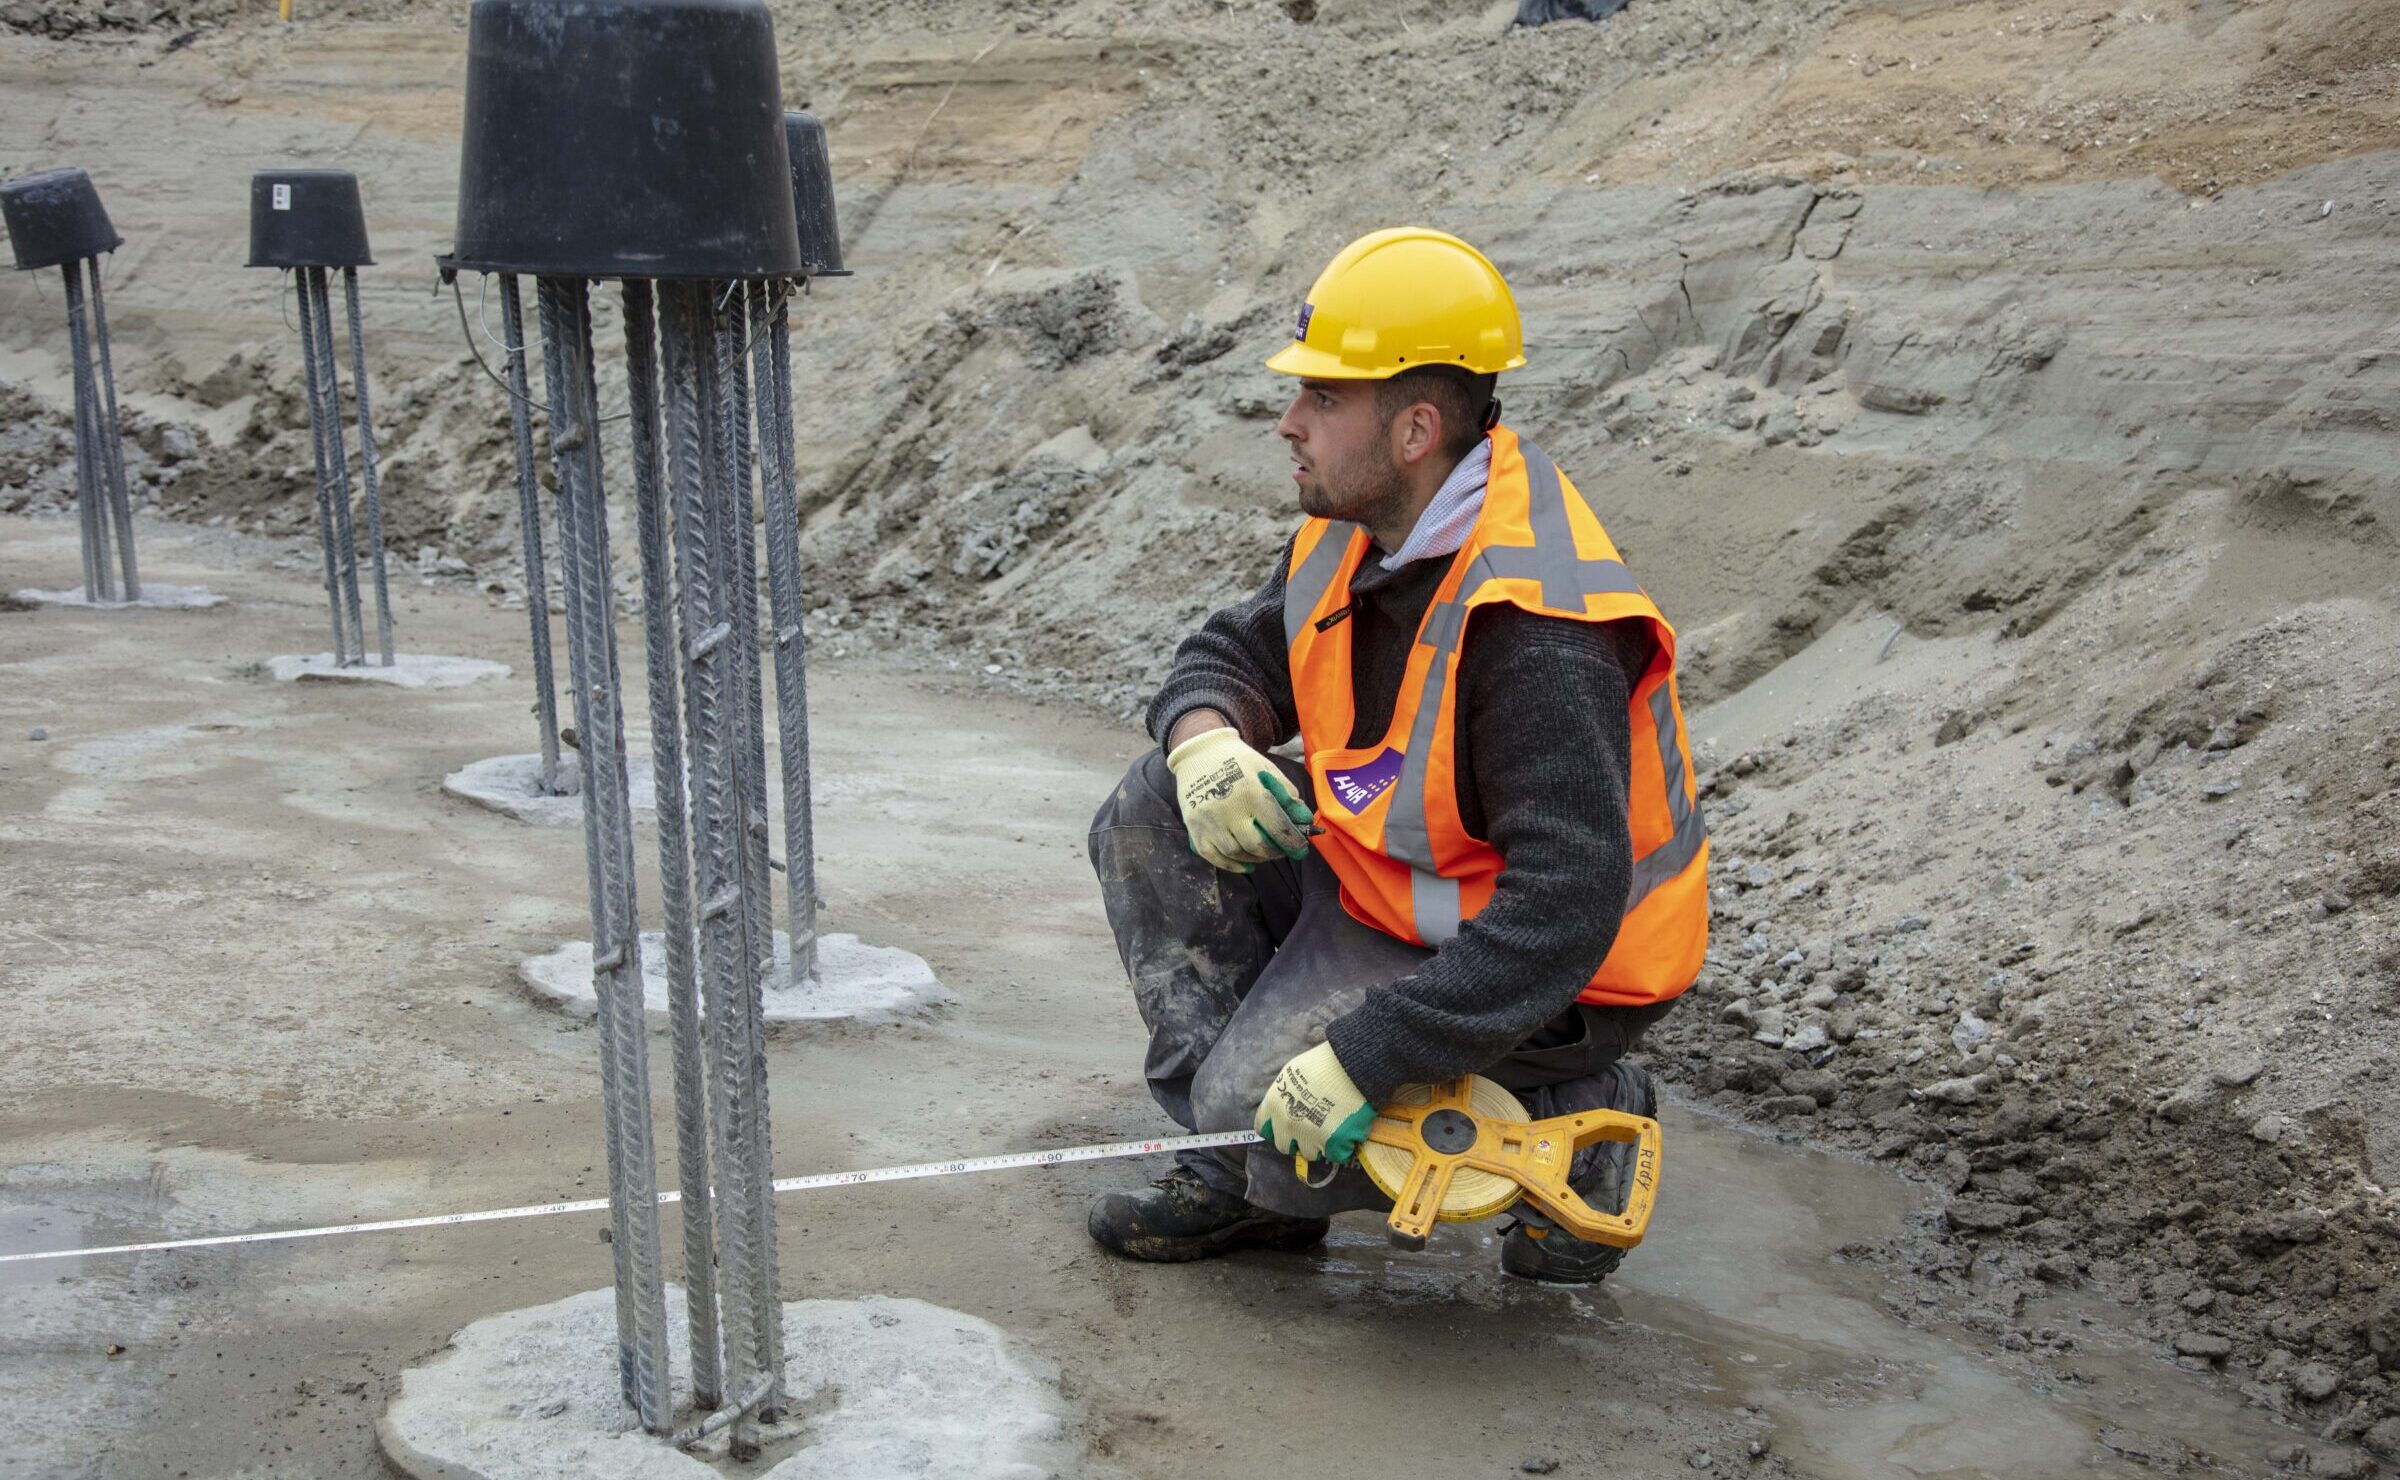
(1965,1090)
(2383,1329)
(2238,1070)
(1984,1217)
(2314,1382)
(2384,1439)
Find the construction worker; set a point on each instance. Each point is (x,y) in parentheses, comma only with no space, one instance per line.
(1491,858)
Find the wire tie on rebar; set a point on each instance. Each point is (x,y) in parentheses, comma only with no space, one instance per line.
(483,321)
(569,440)
(685,1438)
(784,635)
(706,642)
(458,298)
(721,904)
(610,962)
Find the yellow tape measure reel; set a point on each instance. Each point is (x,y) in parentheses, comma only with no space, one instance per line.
(1456,1152)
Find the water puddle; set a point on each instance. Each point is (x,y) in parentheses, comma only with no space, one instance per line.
(1739,1272)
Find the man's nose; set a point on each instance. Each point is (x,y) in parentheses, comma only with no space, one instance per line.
(1287,426)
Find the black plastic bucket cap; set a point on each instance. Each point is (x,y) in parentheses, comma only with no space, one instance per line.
(812,195)
(55,217)
(624,138)
(307,218)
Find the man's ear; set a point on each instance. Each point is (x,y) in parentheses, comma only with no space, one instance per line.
(1416,432)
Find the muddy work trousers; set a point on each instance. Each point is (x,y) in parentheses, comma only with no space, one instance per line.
(1237,973)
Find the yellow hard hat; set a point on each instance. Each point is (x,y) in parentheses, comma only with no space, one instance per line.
(1400,298)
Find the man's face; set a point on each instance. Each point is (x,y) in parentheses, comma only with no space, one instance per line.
(1341,451)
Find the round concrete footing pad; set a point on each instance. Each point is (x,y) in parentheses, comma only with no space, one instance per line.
(878,1387)
(855,982)
(511,785)
(154,598)
(407,670)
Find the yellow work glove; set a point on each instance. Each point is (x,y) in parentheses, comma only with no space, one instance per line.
(1237,810)
(1313,1110)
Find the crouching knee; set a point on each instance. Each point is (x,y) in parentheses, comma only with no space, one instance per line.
(1226,1091)
(1144,797)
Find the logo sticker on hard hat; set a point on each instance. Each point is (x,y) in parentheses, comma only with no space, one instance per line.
(1356,789)
(1300,329)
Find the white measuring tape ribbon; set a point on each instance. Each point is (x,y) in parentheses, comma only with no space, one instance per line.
(1008,1162)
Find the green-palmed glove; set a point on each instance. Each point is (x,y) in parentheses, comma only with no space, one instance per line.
(1313,1110)
(1236,808)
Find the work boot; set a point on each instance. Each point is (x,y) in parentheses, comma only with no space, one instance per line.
(1179,1217)
(1534,1250)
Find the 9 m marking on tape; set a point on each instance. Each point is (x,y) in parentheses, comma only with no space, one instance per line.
(1012,1161)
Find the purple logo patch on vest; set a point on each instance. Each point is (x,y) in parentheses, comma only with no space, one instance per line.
(1307,312)
(1357,788)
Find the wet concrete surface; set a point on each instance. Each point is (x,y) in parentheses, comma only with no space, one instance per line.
(264,977)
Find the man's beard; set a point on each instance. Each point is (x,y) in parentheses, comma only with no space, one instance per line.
(1368,489)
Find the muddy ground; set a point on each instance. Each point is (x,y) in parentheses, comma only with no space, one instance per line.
(265,975)
(1998,397)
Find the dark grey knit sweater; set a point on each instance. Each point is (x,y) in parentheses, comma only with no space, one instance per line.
(1544,754)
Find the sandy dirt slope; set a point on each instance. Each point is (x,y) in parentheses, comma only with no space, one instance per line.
(1998,396)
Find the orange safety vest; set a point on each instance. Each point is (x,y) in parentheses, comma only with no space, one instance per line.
(1393,835)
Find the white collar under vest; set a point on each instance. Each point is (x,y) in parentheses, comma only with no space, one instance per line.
(1444,526)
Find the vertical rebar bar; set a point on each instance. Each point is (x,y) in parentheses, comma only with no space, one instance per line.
(366,466)
(741,550)
(608,845)
(337,460)
(712,692)
(733,390)
(316,439)
(90,476)
(674,844)
(772,350)
(120,499)
(729,398)
(579,663)
(741,553)
(529,519)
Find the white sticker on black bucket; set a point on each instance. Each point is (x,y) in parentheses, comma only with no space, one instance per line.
(283,197)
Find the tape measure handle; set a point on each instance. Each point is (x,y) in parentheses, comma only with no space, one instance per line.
(1565,1207)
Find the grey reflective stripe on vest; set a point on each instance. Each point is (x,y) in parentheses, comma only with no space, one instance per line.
(1433,904)
(1305,587)
(1581,578)
(1404,834)
(1553,536)
(1673,856)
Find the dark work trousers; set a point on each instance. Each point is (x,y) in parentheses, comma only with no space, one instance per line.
(1237,973)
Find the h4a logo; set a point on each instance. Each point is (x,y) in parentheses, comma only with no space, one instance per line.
(1300,327)
(1356,788)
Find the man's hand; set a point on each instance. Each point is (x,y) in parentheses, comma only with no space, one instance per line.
(1313,1110)
(1236,808)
